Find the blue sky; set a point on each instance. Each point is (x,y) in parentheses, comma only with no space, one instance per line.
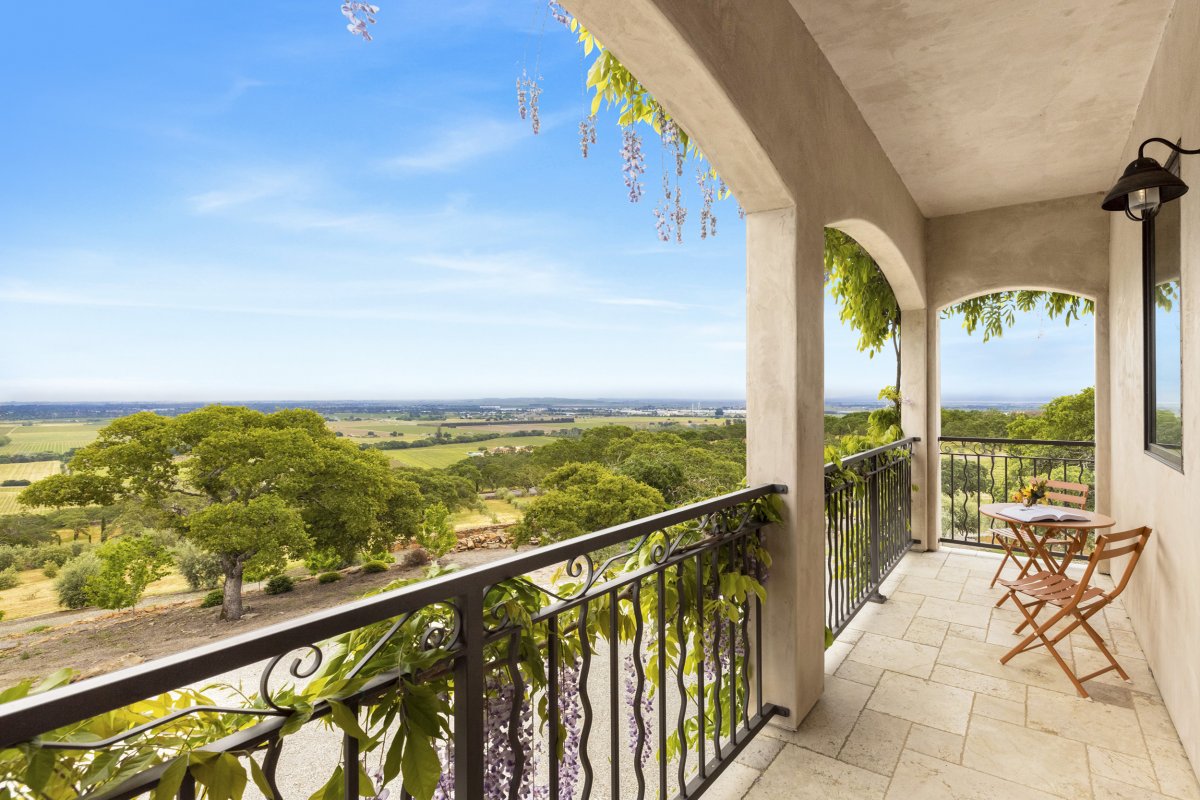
(220,201)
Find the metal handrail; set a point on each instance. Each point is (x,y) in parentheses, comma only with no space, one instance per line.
(875,451)
(21,720)
(986,440)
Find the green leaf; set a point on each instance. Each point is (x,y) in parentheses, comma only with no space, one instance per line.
(421,767)
(366,787)
(332,790)
(171,780)
(260,780)
(223,776)
(347,720)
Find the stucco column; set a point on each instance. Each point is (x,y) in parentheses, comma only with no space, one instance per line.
(1103,410)
(914,409)
(931,490)
(785,440)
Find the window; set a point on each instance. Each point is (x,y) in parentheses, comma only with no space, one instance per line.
(1161,301)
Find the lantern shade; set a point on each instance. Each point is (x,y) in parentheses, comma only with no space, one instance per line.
(1144,174)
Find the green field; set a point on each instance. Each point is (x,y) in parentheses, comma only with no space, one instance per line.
(58,437)
(443,455)
(49,437)
(31,471)
(8,501)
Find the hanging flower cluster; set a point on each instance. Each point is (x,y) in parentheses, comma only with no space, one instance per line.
(359,16)
(559,13)
(587,133)
(571,716)
(499,771)
(528,92)
(633,165)
(663,216)
(708,219)
(644,710)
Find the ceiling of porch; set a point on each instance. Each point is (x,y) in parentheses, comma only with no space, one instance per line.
(981,103)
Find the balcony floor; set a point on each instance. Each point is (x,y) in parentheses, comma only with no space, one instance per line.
(917,705)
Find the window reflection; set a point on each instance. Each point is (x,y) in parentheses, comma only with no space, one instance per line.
(1164,366)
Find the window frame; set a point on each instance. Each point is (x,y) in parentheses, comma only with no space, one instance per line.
(1171,457)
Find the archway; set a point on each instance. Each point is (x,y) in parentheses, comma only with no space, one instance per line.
(1018,399)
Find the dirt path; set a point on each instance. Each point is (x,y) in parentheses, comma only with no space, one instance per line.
(103,643)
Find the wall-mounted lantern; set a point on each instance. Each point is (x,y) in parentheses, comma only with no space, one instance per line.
(1146,185)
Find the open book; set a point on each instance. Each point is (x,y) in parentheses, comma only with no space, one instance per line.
(1044,514)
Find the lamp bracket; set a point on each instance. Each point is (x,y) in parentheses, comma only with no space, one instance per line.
(1172,145)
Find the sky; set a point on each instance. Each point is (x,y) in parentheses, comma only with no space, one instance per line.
(218,201)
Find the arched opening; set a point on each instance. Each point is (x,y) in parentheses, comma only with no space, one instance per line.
(1017,402)
(868,453)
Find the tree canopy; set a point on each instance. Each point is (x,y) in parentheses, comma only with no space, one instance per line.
(581,498)
(252,488)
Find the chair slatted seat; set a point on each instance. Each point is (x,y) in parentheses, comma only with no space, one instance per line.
(1077,602)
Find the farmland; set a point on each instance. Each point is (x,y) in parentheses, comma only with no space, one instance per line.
(47,437)
(59,437)
(30,471)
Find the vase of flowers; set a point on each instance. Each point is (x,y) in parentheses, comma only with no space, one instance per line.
(1030,493)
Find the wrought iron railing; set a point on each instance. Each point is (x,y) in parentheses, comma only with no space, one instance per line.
(978,471)
(634,670)
(868,526)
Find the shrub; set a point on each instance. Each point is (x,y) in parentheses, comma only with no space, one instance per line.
(9,578)
(127,566)
(320,561)
(372,567)
(417,557)
(73,578)
(213,599)
(329,577)
(437,534)
(201,569)
(9,556)
(279,584)
(50,569)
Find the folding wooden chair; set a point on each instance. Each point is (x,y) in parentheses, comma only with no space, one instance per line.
(1064,492)
(1077,602)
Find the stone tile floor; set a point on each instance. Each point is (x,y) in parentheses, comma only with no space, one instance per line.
(918,705)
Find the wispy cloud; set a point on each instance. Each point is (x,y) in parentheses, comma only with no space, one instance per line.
(245,190)
(458,144)
(644,302)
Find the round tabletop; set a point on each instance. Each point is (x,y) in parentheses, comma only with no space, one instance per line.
(1093,521)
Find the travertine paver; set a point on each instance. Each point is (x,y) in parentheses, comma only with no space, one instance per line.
(917,705)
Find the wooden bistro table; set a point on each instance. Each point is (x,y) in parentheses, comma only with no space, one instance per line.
(1033,535)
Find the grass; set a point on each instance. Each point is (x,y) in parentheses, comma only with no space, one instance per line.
(8,500)
(35,594)
(31,471)
(443,455)
(503,512)
(50,437)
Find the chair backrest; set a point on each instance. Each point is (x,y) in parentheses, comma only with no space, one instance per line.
(1071,494)
(1113,545)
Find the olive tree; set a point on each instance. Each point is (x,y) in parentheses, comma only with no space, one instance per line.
(254,489)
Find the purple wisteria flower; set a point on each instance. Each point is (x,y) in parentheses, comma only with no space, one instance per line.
(708,220)
(587,133)
(664,216)
(360,15)
(645,710)
(571,714)
(633,164)
(376,776)
(559,13)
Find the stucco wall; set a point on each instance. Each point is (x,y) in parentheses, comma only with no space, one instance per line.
(751,86)
(1163,598)
(1055,244)
(1061,245)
